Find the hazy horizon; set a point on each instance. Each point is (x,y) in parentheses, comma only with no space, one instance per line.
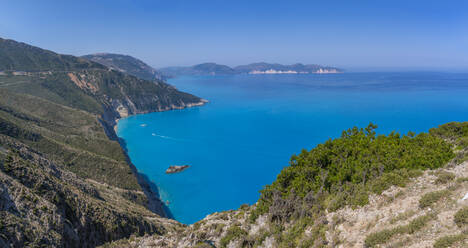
(416,35)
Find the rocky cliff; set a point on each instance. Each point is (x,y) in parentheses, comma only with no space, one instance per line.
(65,181)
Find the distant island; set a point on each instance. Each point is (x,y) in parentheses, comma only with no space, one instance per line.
(133,66)
(255,68)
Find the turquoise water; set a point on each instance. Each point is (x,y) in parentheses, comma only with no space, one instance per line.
(242,139)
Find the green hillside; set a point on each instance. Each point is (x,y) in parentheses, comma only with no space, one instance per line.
(65,181)
(18,56)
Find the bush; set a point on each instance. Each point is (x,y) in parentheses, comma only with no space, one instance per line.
(444,177)
(384,236)
(432,197)
(461,217)
(232,233)
(203,245)
(462,179)
(342,171)
(448,241)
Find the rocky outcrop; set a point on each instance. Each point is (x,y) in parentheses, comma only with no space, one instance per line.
(176,168)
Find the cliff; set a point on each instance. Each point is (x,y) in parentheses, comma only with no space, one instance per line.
(65,179)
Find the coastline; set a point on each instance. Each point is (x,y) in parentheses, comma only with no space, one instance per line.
(155,204)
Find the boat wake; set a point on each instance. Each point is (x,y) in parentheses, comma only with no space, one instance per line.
(165,137)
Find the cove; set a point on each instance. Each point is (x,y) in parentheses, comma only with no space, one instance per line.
(245,135)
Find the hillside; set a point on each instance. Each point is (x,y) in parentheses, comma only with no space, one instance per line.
(255,68)
(360,190)
(18,56)
(65,181)
(126,64)
(82,84)
(197,70)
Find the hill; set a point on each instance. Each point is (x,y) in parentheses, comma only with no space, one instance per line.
(255,68)
(200,69)
(126,64)
(18,56)
(65,180)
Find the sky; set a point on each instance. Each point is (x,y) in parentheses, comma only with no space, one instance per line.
(349,34)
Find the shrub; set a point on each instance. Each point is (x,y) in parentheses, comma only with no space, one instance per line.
(341,172)
(462,179)
(449,240)
(232,233)
(384,236)
(444,177)
(461,217)
(432,197)
(203,245)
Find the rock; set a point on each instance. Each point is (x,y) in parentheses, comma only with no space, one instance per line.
(176,168)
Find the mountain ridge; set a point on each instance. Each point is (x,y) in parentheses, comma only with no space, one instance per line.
(126,64)
(65,180)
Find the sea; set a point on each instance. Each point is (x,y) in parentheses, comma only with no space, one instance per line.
(242,139)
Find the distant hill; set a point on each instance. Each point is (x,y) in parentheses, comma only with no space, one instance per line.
(200,69)
(19,56)
(126,64)
(254,68)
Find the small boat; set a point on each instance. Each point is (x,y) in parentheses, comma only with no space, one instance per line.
(176,168)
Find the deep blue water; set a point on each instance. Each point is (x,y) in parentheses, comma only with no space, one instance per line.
(242,139)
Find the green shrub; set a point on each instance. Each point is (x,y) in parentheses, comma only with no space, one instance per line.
(461,217)
(432,197)
(444,177)
(232,233)
(203,245)
(462,179)
(342,171)
(449,240)
(384,236)
(381,237)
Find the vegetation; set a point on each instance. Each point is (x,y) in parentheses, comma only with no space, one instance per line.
(461,217)
(343,171)
(19,56)
(444,177)
(455,133)
(450,240)
(232,233)
(384,236)
(432,197)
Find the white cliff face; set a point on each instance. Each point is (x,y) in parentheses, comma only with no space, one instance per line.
(326,71)
(272,71)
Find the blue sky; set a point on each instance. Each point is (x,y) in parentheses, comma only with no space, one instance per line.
(351,34)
